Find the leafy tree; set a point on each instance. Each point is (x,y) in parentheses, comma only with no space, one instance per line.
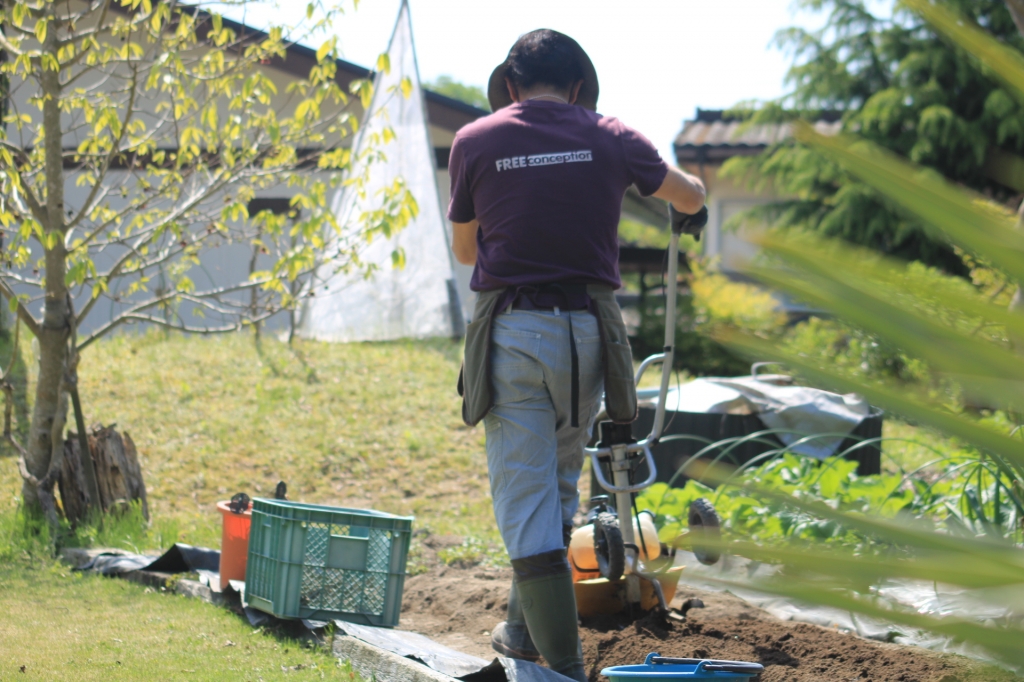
(137,134)
(470,94)
(894,82)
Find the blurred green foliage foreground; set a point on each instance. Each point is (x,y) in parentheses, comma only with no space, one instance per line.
(971,348)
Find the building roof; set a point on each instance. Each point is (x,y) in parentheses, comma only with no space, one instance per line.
(442,111)
(713,136)
(449,113)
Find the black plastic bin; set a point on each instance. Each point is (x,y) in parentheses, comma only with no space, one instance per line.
(668,457)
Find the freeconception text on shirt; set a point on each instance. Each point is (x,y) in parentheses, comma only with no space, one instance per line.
(543,159)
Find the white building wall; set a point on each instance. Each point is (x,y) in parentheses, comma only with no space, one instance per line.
(729,247)
(225,261)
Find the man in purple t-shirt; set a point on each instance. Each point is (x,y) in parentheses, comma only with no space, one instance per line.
(536,196)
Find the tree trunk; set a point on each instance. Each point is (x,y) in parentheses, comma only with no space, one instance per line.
(56,326)
(118,474)
(52,354)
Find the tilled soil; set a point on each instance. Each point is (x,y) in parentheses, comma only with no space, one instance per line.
(459,606)
(794,652)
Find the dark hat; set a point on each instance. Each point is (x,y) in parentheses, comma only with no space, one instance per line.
(497,92)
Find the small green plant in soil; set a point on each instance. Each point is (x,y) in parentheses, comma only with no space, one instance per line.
(962,493)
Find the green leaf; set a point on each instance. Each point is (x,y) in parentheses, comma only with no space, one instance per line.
(325,49)
(398,259)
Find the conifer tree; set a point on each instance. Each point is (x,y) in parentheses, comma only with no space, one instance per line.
(894,81)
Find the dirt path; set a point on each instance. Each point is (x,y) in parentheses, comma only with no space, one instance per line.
(459,606)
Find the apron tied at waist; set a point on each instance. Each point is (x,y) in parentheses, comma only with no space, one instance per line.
(474,383)
(557,296)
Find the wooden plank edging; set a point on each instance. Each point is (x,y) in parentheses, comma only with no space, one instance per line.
(375,663)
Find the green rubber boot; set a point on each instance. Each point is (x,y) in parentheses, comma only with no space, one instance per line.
(512,638)
(549,605)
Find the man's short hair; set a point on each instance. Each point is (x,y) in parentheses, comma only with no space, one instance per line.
(543,57)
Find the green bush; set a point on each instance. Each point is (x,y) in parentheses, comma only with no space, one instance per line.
(696,353)
(709,300)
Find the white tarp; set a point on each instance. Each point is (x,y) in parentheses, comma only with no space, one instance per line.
(416,301)
(794,408)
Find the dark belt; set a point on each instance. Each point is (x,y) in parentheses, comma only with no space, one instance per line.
(566,297)
(527,303)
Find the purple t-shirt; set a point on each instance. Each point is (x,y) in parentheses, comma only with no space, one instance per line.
(546,182)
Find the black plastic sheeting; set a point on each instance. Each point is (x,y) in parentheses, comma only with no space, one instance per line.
(504,669)
(179,558)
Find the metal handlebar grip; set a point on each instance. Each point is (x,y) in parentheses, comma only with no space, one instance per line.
(685,223)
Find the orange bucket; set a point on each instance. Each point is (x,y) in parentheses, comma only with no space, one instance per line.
(234,543)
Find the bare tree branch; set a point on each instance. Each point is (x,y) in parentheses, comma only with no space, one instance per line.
(133,313)
(23,314)
(238,326)
(21,279)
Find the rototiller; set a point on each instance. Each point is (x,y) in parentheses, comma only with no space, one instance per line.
(624,552)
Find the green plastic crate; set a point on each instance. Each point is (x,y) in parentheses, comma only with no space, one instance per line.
(324,563)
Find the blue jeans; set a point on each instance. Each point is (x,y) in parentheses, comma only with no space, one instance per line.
(534,455)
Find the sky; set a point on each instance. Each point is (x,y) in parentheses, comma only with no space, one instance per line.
(656,60)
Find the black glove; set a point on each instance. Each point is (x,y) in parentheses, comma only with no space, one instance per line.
(684,223)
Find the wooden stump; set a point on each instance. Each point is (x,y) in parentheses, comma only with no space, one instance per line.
(118,474)
(71,484)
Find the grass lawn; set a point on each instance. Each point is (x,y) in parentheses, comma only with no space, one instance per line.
(378,427)
(70,626)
